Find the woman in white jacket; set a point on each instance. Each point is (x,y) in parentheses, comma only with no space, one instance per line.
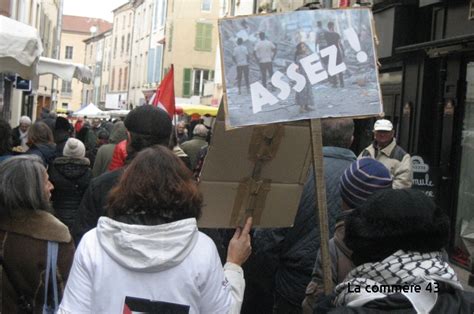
(149,255)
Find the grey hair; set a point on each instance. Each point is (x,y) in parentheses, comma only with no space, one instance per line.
(22,180)
(337,132)
(200,130)
(25,120)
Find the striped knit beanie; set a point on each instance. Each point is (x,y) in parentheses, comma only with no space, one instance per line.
(361,179)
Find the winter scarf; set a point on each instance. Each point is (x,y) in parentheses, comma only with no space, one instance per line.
(414,269)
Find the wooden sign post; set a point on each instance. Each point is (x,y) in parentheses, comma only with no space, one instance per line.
(321,205)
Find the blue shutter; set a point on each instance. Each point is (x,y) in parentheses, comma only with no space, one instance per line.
(150,65)
(158,65)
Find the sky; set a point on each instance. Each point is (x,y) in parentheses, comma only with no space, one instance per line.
(92,8)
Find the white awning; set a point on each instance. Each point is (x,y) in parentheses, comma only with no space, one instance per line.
(64,70)
(20,48)
(91,111)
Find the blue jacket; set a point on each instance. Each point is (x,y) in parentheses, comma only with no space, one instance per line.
(300,245)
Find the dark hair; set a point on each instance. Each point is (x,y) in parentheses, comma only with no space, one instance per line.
(156,186)
(319,23)
(22,184)
(330,24)
(40,133)
(337,132)
(299,49)
(5,137)
(392,220)
(262,35)
(139,142)
(239,41)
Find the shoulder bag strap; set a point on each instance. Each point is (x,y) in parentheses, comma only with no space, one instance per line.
(46,278)
(54,264)
(51,267)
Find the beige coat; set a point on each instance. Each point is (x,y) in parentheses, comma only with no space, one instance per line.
(400,168)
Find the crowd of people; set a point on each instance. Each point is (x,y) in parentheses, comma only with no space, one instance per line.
(121,200)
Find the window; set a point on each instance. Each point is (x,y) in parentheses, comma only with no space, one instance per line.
(115,47)
(65,105)
(122,46)
(128,43)
(120,79)
(170,38)
(123,22)
(203,37)
(68,52)
(66,87)
(112,85)
(125,77)
(206,5)
(187,82)
(200,77)
(163,13)
(129,19)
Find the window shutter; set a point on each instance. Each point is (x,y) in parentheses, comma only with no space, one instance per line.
(207,37)
(187,82)
(151,65)
(199,37)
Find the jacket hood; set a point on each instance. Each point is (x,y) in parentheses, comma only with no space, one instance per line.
(71,167)
(147,248)
(118,133)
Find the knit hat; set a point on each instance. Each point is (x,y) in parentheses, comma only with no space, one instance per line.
(74,148)
(149,120)
(392,220)
(361,179)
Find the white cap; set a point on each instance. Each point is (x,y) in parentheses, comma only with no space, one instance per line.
(383,125)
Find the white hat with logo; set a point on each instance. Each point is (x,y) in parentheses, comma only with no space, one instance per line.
(383,125)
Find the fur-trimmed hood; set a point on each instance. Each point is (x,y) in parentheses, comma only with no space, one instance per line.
(38,224)
(71,167)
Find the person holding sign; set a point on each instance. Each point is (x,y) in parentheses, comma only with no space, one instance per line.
(148,254)
(265,52)
(385,149)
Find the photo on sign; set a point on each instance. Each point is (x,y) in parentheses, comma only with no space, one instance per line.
(299,65)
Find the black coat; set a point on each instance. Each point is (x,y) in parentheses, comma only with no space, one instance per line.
(300,245)
(93,203)
(70,177)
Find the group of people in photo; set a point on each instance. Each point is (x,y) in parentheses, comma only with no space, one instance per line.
(128,240)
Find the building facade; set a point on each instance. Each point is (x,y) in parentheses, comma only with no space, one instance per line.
(191,41)
(97,58)
(73,95)
(122,32)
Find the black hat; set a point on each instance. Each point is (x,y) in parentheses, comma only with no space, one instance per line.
(392,220)
(62,124)
(149,120)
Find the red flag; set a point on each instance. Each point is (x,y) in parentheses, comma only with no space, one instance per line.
(344,3)
(164,96)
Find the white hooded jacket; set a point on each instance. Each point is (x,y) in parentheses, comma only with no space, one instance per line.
(117,264)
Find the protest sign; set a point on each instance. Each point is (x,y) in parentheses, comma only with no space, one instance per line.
(299,65)
(255,171)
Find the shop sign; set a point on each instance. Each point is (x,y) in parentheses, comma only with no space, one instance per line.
(423,178)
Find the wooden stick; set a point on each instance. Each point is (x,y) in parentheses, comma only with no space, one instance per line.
(320,206)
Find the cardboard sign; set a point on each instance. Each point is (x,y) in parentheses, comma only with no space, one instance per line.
(299,65)
(258,171)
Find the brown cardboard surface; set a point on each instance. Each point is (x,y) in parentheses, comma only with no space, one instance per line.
(231,161)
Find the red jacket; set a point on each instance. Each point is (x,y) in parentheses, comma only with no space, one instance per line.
(119,156)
